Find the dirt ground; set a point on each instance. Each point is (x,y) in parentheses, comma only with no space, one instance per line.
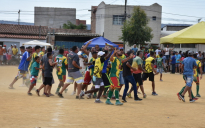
(18,110)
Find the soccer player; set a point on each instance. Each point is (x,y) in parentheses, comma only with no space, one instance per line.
(37,50)
(62,65)
(114,76)
(35,67)
(121,79)
(42,52)
(149,67)
(160,66)
(189,64)
(128,78)
(73,72)
(23,66)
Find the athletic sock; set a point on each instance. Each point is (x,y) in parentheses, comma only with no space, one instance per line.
(58,88)
(182,90)
(117,94)
(110,94)
(192,95)
(197,89)
(105,91)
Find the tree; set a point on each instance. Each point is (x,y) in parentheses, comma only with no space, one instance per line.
(70,25)
(136,29)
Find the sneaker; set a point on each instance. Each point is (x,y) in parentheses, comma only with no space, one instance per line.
(82,93)
(104,96)
(88,96)
(118,103)
(195,98)
(37,92)
(98,101)
(178,96)
(154,94)
(77,97)
(30,94)
(138,99)
(60,95)
(73,93)
(182,97)
(144,96)
(161,80)
(129,95)
(124,100)
(191,100)
(108,102)
(198,95)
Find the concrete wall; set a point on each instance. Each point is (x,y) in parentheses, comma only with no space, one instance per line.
(100,19)
(54,17)
(113,32)
(78,22)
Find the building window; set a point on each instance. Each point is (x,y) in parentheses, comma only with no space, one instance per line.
(154,18)
(118,19)
(172,45)
(187,45)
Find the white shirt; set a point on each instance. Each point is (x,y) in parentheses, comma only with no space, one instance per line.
(167,53)
(157,51)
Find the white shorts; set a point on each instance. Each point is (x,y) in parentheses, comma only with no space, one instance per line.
(75,76)
(98,86)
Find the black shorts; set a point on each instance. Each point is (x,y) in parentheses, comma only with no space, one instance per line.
(146,75)
(138,78)
(48,81)
(106,80)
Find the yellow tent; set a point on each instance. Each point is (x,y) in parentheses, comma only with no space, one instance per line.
(192,35)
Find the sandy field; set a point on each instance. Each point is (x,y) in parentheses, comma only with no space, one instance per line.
(18,110)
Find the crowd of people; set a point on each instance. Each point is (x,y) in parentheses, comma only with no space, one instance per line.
(108,69)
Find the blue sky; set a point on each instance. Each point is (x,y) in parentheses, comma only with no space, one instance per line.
(191,10)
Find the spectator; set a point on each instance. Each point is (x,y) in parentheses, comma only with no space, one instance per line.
(178,57)
(151,49)
(97,48)
(10,52)
(66,52)
(157,51)
(15,50)
(173,62)
(4,54)
(135,49)
(1,54)
(55,52)
(167,50)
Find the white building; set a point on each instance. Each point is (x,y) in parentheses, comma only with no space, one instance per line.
(108,19)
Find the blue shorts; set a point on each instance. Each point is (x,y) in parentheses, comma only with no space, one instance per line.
(121,79)
(189,80)
(167,57)
(160,70)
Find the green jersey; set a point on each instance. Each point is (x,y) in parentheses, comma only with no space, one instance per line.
(115,67)
(159,62)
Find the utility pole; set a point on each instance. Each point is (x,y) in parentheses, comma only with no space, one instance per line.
(125,15)
(19,17)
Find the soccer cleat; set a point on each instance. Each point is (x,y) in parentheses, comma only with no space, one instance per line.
(191,100)
(104,96)
(124,100)
(30,94)
(144,96)
(98,101)
(129,95)
(154,94)
(73,93)
(178,96)
(198,95)
(81,93)
(118,103)
(108,102)
(182,97)
(138,99)
(37,92)
(60,95)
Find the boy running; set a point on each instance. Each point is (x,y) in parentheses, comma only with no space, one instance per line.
(34,74)
(160,66)
(188,64)
(149,67)
(62,65)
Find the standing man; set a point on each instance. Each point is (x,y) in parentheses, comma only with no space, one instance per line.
(157,51)
(135,49)
(150,50)
(149,67)
(1,55)
(178,57)
(23,66)
(73,72)
(167,50)
(188,64)
(15,50)
(10,52)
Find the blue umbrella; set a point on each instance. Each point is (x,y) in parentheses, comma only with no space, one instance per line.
(101,42)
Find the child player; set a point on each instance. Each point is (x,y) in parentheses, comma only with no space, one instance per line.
(160,66)
(35,67)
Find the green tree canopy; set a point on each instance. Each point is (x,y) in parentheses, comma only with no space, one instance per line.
(70,25)
(136,29)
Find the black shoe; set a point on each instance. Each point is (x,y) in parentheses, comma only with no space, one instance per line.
(30,94)
(37,92)
(182,97)
(138,99)
(77,97)
(191,100)
(124,100)
(60,95)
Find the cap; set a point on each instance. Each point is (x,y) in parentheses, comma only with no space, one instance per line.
(79,53)
(4,45)
(101,53)
(190,52)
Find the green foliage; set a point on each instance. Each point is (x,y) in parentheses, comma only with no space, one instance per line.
(70,25)
(136,29)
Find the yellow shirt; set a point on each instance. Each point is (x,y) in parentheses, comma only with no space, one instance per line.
(15,51)
(98,68)
(148,64)
(196,73)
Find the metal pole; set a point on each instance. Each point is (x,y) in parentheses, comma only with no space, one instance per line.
(19,17)
(125,15)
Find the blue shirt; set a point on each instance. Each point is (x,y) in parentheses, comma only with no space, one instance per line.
(105,65)
(24,63)
(164,59)
(173,60)
(178,58)
(189,64)
(135,50)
